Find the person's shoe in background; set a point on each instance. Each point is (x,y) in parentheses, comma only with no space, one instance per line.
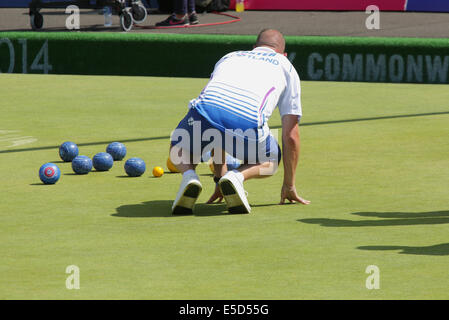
(172,21)
(193,18)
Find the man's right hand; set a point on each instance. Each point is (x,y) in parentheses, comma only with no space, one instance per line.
(289,193)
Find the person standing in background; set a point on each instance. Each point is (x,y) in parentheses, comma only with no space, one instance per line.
(184,14)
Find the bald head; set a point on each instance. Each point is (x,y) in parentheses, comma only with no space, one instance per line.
(271,38)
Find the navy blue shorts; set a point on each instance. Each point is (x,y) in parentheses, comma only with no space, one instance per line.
(196,135)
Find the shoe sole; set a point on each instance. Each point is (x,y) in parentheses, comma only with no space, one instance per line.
(188,199)
(233,201)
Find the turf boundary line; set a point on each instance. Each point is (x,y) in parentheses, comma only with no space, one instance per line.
(397,60)
(272,127)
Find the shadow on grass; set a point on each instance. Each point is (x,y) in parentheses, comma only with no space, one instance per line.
(404,215)
(393,219)
(162,208)
(435,250)
(388,219)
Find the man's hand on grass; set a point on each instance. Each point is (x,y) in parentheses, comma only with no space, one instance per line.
(289,193)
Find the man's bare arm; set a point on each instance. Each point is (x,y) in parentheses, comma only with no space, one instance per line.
(291,148)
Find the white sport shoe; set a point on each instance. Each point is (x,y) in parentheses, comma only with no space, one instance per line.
(234,194)
(188,193)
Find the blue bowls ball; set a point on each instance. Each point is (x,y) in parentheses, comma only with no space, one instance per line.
(102,161)
(135,167)
(68,151)
(117,150)
(49,173)
(82,165)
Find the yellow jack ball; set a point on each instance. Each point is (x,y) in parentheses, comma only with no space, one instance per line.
(158,171)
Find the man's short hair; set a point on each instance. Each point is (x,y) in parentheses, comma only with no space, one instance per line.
(271,38)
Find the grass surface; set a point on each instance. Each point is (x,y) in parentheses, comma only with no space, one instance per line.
(378,182)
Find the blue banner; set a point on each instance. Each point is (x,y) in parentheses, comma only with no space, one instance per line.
(428,5)
(14,3)
(24,3)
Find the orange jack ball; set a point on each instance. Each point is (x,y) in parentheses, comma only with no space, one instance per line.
(158,171)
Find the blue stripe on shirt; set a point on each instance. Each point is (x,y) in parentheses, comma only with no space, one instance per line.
(214,103)
(224,118)
(252,109)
